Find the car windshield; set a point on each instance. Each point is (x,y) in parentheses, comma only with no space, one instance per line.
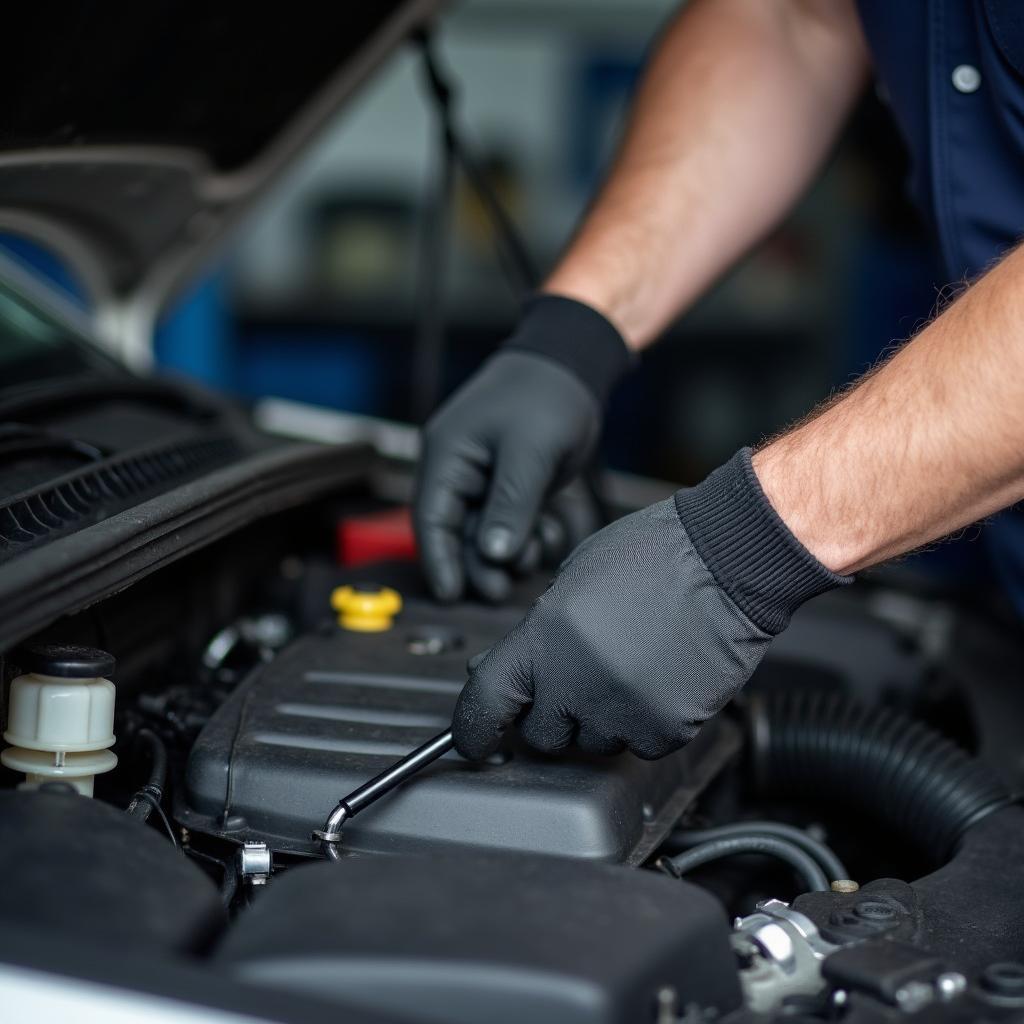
(35,345)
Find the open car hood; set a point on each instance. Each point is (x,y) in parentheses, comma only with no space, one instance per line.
(133,137)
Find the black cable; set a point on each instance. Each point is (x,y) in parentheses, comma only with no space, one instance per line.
(507,237)
(806,867)
(139,807)
(513,256)
(428,357)
(146,795)
(229,877)
(428,352)
(823,854)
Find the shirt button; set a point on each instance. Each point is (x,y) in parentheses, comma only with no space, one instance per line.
(966,78)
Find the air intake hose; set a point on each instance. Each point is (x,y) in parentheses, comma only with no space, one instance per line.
(904,774)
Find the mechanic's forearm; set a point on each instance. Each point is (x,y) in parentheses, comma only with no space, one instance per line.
(931,442)
(738,107)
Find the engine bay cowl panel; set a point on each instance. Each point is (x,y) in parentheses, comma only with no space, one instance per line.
(337,707)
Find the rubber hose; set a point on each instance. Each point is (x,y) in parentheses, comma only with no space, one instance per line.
(907,776)
(824,855)
(142,808)
(805,866)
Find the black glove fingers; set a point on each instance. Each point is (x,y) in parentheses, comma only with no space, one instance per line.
(500,685)
(553,537)
(491,582)
(474,661)
(529,558)
(546,728)
(593,740)
(578,514)
(446,481)
(522,476)
(655,743)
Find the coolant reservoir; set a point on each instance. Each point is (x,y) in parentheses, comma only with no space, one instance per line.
(60,715)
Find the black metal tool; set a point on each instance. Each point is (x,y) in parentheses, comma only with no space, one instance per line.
(370,792)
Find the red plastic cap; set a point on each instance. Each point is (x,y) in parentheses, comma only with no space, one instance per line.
(375,537)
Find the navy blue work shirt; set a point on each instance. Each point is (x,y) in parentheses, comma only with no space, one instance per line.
(952,72)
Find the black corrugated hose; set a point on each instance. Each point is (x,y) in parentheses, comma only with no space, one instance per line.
(902,773)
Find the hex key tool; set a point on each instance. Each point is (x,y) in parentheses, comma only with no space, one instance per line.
(370,792)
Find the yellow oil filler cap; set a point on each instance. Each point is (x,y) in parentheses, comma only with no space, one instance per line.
(366,608)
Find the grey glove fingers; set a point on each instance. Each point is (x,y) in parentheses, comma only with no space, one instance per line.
(491,582)
(592,740)
(546,728)
(488,580)
(446,481)
(577,513)
(521,478)
(553,538)
(499,687)
(652,745)
(530,556)
(475,660)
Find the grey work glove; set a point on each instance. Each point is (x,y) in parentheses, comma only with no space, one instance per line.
(500,448)
(650,627)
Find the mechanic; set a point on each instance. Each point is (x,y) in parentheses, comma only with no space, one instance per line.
(655,622)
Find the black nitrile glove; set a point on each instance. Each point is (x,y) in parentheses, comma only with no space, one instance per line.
(650,627)
(500,447)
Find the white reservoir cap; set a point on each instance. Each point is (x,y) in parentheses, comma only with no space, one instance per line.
(48,713)
(60,715)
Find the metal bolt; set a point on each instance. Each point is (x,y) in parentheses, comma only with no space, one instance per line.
(914,996)
(271,630)
(254,862)
(845,885)
(950,985)
(433,640)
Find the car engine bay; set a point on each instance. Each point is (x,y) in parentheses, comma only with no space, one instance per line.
(844,843)
(852,813)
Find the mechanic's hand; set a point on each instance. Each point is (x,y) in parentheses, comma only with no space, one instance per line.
(650,627)
(520,429)
(570,516)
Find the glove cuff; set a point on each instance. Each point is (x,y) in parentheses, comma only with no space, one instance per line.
(752,554)
(577,337)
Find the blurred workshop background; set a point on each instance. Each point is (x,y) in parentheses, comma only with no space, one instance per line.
(338,291)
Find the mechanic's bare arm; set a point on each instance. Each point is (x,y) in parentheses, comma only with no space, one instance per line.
(655,622)
(738,107)
(932,441)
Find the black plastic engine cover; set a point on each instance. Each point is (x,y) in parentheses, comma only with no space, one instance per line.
(333,710)
(505,938)
(85,871)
